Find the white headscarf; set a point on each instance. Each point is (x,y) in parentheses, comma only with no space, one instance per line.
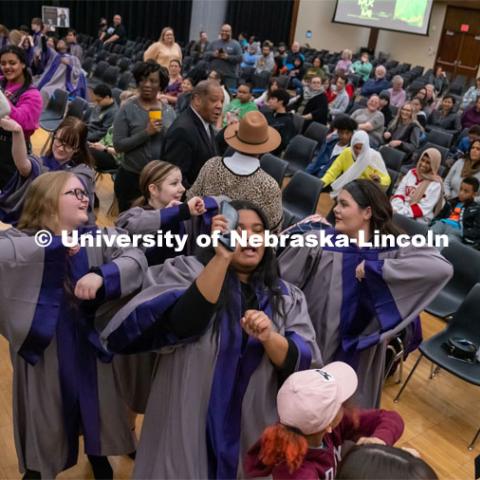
(367,157)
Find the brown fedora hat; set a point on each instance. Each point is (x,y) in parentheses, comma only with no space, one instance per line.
(252,135)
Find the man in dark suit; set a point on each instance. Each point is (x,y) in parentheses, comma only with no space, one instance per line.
(190,141)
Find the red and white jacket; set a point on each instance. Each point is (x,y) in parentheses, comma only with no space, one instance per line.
(422,211)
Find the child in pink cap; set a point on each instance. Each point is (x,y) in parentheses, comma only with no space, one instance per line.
(307,442)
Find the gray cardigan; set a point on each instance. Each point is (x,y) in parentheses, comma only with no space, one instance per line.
(130,136)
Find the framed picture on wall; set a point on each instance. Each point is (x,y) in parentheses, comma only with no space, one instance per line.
(56,16)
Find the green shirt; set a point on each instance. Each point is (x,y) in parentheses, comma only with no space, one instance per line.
(235,106)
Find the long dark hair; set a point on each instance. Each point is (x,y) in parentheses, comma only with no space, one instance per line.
(373,462)
(265,275)
(22,58)
(368,194)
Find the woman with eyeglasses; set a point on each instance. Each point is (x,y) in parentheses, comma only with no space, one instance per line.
(67,149)
(52,298)
(404,131)
(25,104)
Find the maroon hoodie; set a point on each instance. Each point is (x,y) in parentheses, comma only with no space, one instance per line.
(321,463)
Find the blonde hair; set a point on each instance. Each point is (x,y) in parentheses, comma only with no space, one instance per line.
(154,172)
(15,36)
(164,31)
(347,53)
(41,201)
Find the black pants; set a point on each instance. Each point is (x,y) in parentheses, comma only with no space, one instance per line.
(103,160)
(126,188)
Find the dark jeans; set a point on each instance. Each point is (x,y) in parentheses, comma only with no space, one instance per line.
(126,188)
(103,160)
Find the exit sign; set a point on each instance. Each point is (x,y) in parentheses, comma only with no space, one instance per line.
(464,27)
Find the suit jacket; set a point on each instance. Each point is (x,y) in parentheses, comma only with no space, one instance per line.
(187,145)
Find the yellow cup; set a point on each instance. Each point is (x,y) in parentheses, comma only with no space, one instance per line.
(155,115)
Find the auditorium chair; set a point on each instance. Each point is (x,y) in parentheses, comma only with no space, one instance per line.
(274,166)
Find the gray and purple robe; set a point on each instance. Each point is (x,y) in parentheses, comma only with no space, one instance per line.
(12,197)
(63,381)
(211,396)
(354,320)
(135,372)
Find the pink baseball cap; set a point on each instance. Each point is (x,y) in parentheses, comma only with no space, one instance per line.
(310,400)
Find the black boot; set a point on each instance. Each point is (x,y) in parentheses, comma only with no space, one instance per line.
(102,470)
(31,475)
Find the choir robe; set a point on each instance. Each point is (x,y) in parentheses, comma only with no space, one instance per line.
(62,382)
(57,75)
(136,371)
(211,396)
(354,320)
(13,195)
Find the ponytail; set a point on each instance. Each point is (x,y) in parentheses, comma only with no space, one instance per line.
(280,443)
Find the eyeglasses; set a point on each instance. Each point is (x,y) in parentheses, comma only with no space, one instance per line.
(79,193)
(65,146)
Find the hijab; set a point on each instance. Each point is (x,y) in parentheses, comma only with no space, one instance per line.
(426,178)
(368,157)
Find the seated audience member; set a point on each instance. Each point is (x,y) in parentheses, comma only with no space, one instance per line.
(190,141)
(460,218)
(249,57)
(279,118)
(316,70)
(296,74)
(371,120)
(184,99)
(398,95)
(174,87)
(314,103)
(73,47)
(385,107)
(242,40)
(37,27)
(25,105)
(262,100)
(404,131)
(3,36)
(138,136)
(379,462)
(439,80)
(252,42)
(420,193)
(165,50)
(357,161)
(314,424)
(62,71)
(66,149)
(340,99)
(377,84)
(225,55)
(280,58)
(469,166)
(115,34)
(265,62)
(217,77)
(345,61)
(240,176)
(103,152)
(292,55)
(335,144)
(464,143)
(471,94)
(363,68)
(239,106)
(445,117)
(430,98)
(417,106)
(104,113)
(471,116)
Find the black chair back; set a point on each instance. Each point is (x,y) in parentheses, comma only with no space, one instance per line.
(124,80)
(440,137)
(392,157)
(316,131)
(299,152)
(274,166)
(410,226)
(394,175)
